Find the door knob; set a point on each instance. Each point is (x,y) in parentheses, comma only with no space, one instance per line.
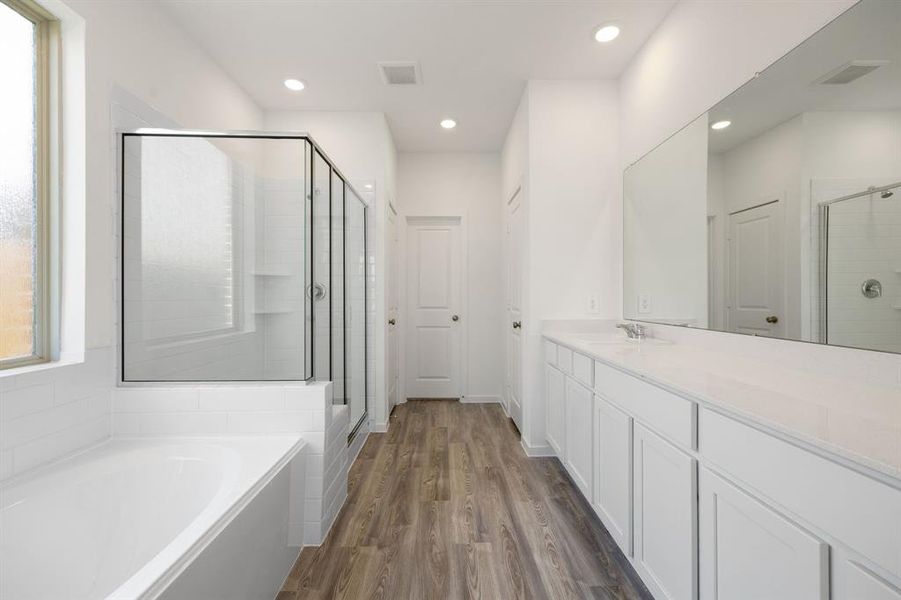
(391,322)
(455,318)
(772,319)
(517,324)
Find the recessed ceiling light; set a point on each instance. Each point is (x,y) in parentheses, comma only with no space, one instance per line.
(448,123)
(606,33)
(295,85)
(720,125)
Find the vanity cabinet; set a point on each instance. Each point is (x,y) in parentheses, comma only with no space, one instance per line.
(555,424)
(665,517)
(578,444)
(613,471)
(749,551)
(708,506)
(851,580)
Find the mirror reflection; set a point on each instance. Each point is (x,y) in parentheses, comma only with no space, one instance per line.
(778,213)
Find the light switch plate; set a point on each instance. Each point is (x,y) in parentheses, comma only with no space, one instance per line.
(594,303)
(644,304)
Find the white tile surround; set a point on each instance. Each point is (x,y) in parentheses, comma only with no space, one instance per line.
(263,409)
(47,413)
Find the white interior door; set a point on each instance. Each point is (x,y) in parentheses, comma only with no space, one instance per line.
(514,310)
(756,279)
(434,301)
(392,311)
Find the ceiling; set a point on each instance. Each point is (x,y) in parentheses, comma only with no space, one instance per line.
(867,31)
(475,55)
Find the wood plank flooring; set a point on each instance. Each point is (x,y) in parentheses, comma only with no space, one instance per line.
(447,505)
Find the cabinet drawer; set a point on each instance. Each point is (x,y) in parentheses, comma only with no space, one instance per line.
(565,360)
(861,512)
(550,353)
(582,369)
(662,411)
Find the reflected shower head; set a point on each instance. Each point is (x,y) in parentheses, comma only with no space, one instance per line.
(887,194)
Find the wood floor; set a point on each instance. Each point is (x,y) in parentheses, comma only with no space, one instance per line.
(446,505)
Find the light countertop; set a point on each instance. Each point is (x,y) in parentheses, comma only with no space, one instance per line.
(858,422)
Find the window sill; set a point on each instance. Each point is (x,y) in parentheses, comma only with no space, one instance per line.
(41,366)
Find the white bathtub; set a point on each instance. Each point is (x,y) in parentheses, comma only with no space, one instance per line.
(148,519)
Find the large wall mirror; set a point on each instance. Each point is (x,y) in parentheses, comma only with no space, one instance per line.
(778,212)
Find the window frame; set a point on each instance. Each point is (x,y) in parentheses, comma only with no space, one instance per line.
(46,68)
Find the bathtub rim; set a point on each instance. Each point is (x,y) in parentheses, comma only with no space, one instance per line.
(153,589)
(136,587)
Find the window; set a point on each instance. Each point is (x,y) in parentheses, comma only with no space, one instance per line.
(24,31)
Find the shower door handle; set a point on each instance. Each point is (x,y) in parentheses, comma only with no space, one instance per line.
(316,291)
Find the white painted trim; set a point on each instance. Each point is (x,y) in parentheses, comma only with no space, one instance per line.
(378,427)
(537,451)
(481,400)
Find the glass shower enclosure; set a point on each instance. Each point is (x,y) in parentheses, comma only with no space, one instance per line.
(860,269)
(243,259)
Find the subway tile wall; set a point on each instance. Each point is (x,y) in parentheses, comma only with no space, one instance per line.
(48,413)
(254,409)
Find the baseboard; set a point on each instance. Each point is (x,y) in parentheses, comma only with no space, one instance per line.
(481,400)
(378,427)
(537,451)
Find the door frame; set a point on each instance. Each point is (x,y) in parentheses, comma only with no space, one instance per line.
(404,309)
(392,213)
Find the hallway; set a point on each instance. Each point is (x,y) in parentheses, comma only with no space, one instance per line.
(446,505)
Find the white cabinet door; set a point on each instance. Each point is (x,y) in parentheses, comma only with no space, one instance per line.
(748,551)
(853,581)
(665,513)
(579,412)
(613,471)
(555,408)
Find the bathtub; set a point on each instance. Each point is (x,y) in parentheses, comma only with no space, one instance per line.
(151,518)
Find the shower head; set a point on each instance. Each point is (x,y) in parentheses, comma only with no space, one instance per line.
(887,194)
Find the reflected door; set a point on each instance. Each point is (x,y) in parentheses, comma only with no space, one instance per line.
(434,300)
(756,280)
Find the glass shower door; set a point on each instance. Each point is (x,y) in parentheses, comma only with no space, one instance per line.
(355,312)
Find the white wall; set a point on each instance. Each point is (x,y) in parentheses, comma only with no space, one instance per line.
(676,77)
(361,146)
(133,46)
(466,185)
(562,149)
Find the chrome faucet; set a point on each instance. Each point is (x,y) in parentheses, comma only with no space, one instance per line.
(635,331)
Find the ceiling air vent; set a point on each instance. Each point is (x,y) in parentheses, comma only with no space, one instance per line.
(400,73)
(848,72)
